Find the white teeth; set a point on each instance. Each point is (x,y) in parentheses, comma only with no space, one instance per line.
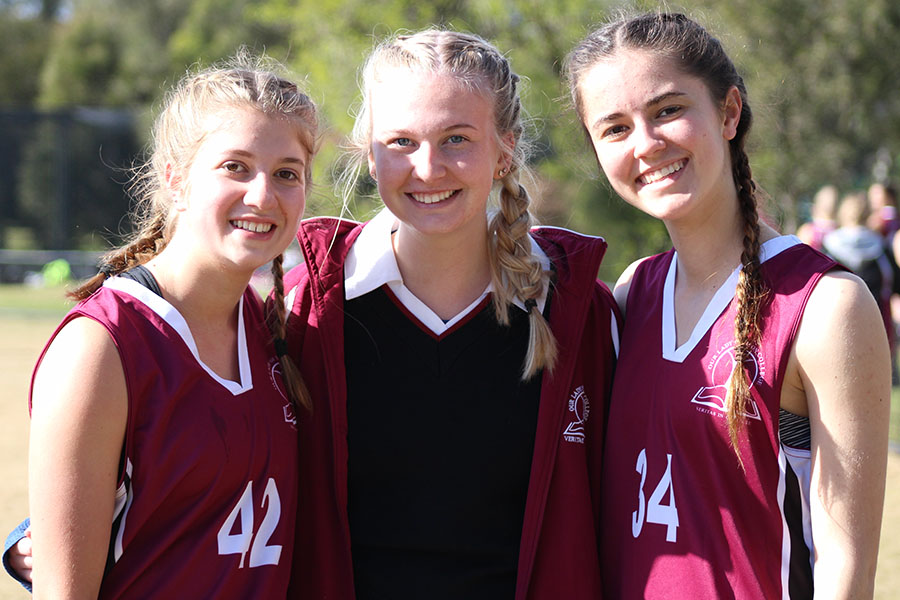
(657,175)
(431,198)
(254,227)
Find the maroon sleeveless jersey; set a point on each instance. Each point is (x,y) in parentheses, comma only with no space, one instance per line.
(681,520)
(207,494)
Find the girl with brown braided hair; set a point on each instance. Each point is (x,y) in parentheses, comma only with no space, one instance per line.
(163,436)
(459,358)
(747,439)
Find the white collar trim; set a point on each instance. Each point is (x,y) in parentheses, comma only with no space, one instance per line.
(717,304)
(170,315)
(371,263)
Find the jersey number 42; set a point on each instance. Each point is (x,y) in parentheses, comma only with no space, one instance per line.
(261,553)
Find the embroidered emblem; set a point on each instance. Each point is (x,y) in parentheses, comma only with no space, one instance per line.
(721,367)
(278,384)
(580,407)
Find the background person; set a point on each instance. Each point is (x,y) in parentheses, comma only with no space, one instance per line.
(822,217)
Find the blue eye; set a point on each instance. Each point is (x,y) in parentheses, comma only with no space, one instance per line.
(456,139)
(403,142)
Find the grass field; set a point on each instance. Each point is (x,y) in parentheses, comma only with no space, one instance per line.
(28,317)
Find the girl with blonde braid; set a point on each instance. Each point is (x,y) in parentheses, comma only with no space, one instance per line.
(747,438)
(163,455)
(459,358)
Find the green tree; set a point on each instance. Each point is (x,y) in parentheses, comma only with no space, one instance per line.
(823,81)
(23,44)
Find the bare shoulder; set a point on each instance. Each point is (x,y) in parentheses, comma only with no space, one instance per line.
(623,284)
(81,365)
(841,345)
(840,302)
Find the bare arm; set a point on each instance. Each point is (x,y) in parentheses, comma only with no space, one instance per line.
(79,410)
(623,284)
(839,368)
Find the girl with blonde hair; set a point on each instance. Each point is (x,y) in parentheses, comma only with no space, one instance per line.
(458,357)
(163,455)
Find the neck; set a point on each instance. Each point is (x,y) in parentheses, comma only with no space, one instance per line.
(709,252)
(444,272)
(205,296)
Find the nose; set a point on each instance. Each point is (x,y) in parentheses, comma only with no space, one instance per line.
(647,140)
(428,163)
(260,191)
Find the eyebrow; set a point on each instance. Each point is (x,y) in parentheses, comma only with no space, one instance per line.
(287,159)
(651,102)
(403,131)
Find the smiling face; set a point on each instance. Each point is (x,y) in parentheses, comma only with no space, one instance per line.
(240,202)
(658,135)
(434,151)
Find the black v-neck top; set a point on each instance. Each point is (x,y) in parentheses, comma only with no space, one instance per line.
(441,436)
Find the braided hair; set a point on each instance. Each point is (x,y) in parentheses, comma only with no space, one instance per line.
(245,82)
(699,54)
(516,271)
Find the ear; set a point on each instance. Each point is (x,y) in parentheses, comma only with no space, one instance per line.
(732,113)
(504,161)
(174,187)
(371,160)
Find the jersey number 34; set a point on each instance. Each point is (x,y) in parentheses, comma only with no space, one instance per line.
(655,511)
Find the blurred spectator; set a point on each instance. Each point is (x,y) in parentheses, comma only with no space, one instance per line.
(822,216)
(859,248)
(883,217)
(863,251)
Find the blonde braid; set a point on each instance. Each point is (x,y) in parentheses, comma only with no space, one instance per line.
(517,273)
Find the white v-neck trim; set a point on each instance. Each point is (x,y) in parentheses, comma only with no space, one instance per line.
(716,306)
(170,315)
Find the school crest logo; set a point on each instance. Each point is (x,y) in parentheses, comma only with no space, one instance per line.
(721,367)
(580,407)
(278,383)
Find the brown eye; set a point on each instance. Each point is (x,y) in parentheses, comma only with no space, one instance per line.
(669,111)
(614,131)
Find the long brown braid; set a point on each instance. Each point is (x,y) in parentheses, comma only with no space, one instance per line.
(244,82)
(750,295)
(699,54)
(298,393)
(516,271)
